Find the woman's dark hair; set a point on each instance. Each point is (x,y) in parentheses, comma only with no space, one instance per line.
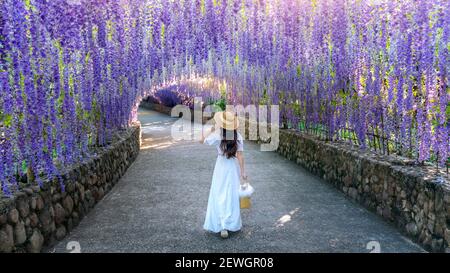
(228,145)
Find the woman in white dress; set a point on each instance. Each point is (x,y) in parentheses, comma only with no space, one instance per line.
(223,213)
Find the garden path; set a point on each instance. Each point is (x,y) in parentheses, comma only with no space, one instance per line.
(160,203)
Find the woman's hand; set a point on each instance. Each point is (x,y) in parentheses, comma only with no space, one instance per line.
(244,178)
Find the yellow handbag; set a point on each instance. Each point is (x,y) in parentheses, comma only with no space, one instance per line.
(245,202)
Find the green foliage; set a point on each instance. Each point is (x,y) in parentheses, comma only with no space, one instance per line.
(221,103)
(299,71)
(6,119)
(24,166)
(163,32)
(264,100)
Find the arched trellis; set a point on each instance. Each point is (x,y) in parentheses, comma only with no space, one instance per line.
(73,71)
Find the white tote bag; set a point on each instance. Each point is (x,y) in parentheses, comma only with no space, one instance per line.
(246,190)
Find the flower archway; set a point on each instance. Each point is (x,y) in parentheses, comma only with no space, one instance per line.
(73,71)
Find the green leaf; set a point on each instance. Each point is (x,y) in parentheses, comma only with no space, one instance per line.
(7,120)
(221,103)
(163,32)
(24,166)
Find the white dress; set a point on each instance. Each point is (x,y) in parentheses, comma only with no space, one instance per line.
(223,210)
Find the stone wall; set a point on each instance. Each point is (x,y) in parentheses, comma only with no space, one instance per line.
(168,110)
(156,107)
(415,198)
(34,219)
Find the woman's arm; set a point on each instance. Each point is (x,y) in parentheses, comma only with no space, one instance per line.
(206,134)
(240,157)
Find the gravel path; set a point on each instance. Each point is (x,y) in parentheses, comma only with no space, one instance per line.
(160,204)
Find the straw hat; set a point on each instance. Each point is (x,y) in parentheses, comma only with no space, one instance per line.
(226,120)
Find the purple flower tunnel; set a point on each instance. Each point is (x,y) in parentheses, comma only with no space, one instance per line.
(73,72)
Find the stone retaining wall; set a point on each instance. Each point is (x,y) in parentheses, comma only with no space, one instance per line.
(36,218)
(156,107)
(167,110)
(415,198)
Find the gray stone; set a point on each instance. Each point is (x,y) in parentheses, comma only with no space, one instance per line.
(52,227)
(3,219)
(51,210)
(60,233)
(75,199)
(92,180)
(70,187)
(6,239)
(366,188)
(81,191)
(60,214)
(36,189)
(94,191)
(33,203)
(425,208)
(34,220)
(380,210)
(347,180)
(436,245)
(431,205)
(345,189)
(387,213)
(39,203)
(29,231)
(75,219)
(68,204)
(374,179)
(20,235)
(101,193)
(23,207)
(447,198)
(403,194)
(412,229)
(353,193)
(439,229)
(69,225)
(89,198)
(426,239)
(35,242)
(56,197)
(45,219)
(420,199)
(13,216)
